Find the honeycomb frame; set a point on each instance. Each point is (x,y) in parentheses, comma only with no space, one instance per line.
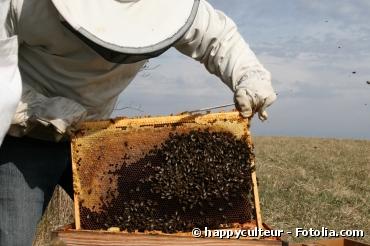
(102,142)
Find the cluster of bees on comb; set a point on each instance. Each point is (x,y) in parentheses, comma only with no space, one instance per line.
(195,179)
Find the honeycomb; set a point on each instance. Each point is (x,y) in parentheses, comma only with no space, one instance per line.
(116,180)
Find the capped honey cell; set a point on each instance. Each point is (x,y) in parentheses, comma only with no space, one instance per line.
(169,179)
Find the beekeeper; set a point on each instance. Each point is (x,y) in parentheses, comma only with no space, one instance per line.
(64,61)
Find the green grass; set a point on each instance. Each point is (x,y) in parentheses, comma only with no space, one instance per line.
(314,183)
(303,182)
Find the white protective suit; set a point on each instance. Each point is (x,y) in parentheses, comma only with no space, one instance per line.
(10,81)
(65,81)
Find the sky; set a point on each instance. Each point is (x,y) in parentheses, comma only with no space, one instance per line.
(318,52)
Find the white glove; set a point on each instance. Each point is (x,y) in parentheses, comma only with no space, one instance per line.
(254,94)
(35,109)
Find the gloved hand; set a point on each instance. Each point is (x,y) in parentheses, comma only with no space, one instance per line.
(213,40)
(254,95)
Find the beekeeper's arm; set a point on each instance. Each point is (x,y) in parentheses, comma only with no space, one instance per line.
(213,40)
(10,80)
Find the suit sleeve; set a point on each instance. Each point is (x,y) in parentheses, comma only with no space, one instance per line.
(213,39)
(10,80)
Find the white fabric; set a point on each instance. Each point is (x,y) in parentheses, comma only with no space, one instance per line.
(10,82)
(62,74)
(36,109)
(214,40)
(65,81)
(144,23)
(248,102)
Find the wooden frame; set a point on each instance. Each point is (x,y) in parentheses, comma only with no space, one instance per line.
(91,128)
(68,236)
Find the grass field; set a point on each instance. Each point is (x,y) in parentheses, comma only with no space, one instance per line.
(303,182)
(314,183)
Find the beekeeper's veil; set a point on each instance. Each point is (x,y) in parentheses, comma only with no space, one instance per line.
(125,31)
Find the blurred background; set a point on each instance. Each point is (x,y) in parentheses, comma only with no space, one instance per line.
(317,51)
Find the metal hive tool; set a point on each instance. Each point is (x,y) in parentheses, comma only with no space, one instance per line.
(100,148)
